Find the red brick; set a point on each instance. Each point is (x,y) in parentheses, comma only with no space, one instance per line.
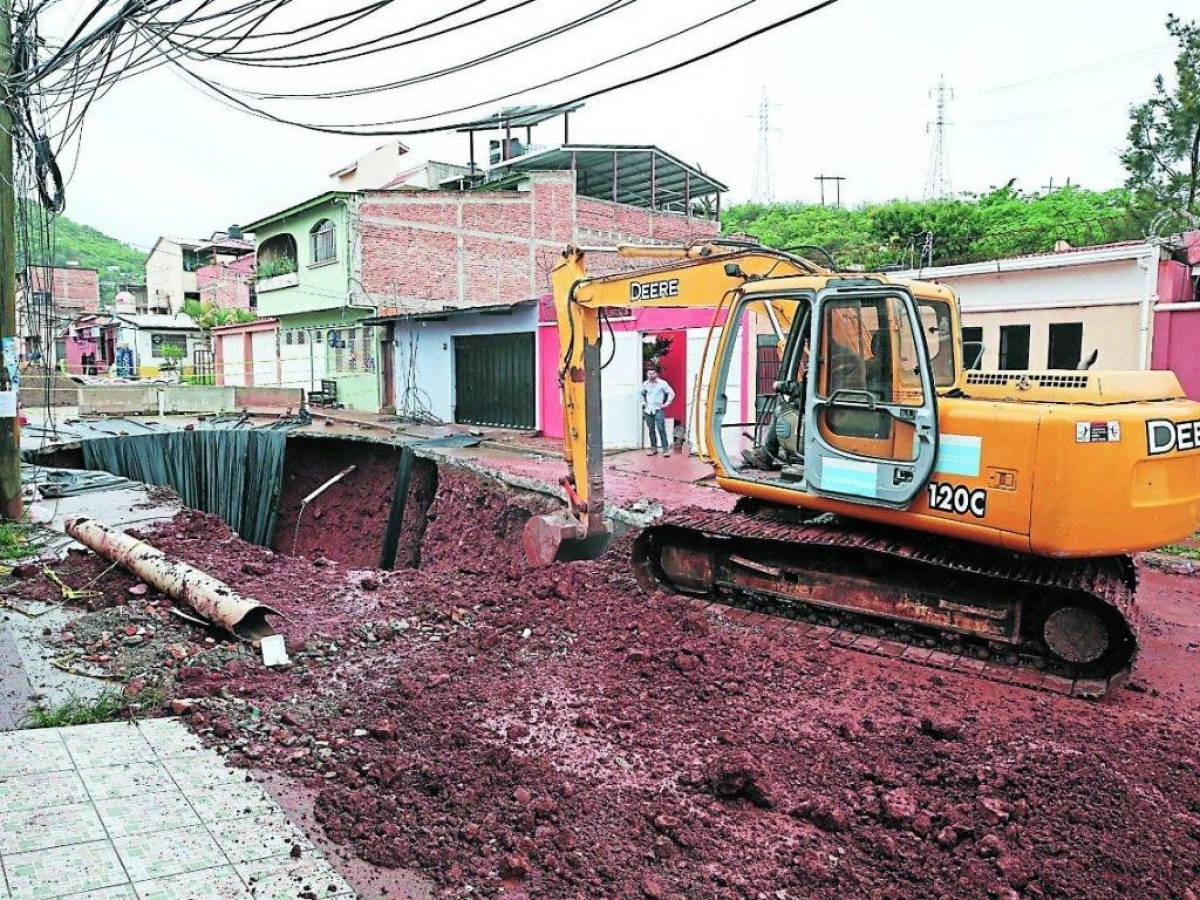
(998,671)
(444,247)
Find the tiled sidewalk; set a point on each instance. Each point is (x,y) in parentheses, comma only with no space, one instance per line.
(143,811)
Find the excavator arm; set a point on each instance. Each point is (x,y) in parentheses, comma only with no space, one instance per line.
(699,275)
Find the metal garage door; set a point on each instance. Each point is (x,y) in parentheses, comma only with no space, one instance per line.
(494,380)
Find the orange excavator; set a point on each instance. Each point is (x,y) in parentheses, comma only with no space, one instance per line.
(887,488)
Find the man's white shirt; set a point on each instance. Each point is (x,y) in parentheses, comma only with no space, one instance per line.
(656,395)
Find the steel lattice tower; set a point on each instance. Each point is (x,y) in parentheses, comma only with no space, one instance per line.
(937,179)
(764,188)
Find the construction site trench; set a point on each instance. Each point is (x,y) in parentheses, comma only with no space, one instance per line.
(561,732)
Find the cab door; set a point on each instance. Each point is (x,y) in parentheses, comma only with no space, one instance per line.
(870,403)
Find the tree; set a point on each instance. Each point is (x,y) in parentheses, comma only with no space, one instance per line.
(1163,156)
(209,315)
(171,354)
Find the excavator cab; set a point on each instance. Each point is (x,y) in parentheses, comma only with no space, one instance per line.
(853,413)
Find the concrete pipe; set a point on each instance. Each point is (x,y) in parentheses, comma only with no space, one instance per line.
(213,599)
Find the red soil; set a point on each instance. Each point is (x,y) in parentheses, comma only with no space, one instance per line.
(561,734)
(346,523)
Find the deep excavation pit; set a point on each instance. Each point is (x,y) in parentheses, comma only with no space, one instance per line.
(560,734)
(348,521)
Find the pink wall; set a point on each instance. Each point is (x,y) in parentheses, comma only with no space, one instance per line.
(1176,337)
(76,347)
(227,285)
(1177,334)
(640,320)
(245,331)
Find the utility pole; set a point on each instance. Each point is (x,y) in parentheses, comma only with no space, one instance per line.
(837,181)
(1049,188)
(937,179)
(10,433)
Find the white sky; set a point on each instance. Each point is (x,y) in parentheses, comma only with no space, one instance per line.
(1041,90)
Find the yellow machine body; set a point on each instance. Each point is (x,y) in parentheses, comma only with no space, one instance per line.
(1055,464)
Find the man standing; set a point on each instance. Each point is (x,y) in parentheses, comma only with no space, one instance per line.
(656,396)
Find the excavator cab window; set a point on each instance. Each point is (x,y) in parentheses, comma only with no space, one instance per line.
(871,411)
(939,338)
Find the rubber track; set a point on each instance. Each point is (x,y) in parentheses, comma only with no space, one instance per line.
(1110,580)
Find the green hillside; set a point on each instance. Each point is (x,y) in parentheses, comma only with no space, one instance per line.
(72,242)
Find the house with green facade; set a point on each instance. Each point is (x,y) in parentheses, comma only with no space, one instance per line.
(309,283)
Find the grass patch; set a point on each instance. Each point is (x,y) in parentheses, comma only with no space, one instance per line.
(14,540)
(1183,551)
(108,706)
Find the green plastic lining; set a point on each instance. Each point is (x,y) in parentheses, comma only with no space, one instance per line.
(236,475)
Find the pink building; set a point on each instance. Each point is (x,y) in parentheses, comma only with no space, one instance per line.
(1177,315)
(228,285)
(47,298)
(88,345)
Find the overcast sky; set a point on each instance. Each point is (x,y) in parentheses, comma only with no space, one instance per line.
(1041,91)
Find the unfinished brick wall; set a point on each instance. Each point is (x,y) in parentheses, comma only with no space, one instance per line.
(430,249)
(74,290)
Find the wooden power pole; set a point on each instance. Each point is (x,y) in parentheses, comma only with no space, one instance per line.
(10,429)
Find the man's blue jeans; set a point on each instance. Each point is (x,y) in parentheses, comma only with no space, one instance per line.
(656,424)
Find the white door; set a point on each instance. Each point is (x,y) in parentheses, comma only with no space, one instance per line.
(302,357)
(620,383)
(699,367)
(265,353)
(233,359)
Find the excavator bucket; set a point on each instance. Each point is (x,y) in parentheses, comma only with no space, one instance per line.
(556,538)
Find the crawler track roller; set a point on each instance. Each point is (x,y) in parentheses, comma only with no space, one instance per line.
(1076,619)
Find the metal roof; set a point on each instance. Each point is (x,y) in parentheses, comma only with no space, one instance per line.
(640,169)
(520,117)
(298,208)
(440,315)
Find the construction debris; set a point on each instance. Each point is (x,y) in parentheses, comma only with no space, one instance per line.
(561,734)
(211,598)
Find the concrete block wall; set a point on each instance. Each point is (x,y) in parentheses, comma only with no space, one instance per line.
(125,399)
(196,399)
(430,249)
(259,397)
(177,399)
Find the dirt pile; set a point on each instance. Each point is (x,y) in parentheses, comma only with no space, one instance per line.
(560,734)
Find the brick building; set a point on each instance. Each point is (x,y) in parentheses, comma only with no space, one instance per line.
(48,298)
(340,273)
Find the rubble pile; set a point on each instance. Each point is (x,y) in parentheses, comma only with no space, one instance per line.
(559,733)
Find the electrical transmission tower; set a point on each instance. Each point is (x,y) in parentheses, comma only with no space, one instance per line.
(764,187)
(937,180)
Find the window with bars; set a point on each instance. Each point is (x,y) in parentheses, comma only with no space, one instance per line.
(324,247)
(350,351)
